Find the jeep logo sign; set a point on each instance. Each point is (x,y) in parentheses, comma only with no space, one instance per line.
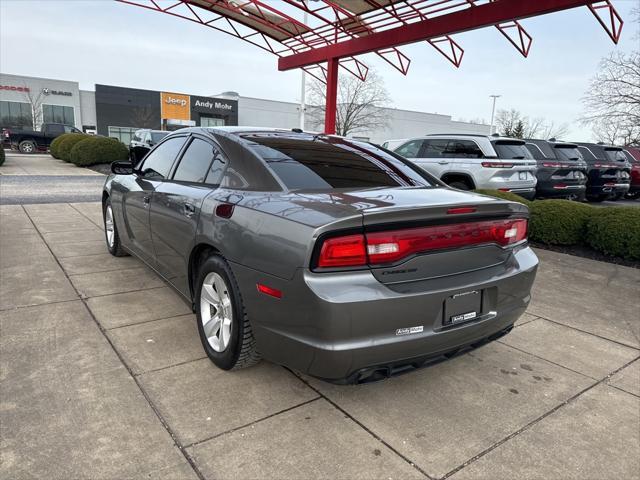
(175,101)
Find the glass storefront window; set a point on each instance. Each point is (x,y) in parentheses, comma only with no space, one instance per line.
(15,114)
(58,114)
(211,122)
(124,134)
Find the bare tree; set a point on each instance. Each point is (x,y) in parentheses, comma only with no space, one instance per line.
(512,123)
(612,101)
(360,105)
(143,117)
(35,104)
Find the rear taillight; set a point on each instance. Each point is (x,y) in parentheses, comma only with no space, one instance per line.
(497,165)
(551,165)
(347,251)
(380,248)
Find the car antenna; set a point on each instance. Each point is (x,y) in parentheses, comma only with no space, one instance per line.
(297,130)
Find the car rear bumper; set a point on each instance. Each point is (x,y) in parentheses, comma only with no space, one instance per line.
(344,327)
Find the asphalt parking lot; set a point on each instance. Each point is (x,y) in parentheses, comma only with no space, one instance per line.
(102,376)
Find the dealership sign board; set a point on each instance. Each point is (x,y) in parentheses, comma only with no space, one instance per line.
(175,106)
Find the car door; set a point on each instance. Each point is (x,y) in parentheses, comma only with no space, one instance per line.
(433,158)
(175,208)
(137,198)
(464,156)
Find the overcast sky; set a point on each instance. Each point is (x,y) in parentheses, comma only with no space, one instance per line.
(106,42)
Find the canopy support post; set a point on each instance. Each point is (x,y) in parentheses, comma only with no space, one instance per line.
(331,98)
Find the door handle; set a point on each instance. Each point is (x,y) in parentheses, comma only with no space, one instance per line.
(443,162)
(189,209)
(146,200)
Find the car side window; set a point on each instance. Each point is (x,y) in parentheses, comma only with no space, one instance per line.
(463,149)
(195,163)
(434,148)
(68,129)
(216,170)
(410,149)
(137,136)
(158,163)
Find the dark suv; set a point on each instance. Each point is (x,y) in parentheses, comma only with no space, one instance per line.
(142,141)
(609,171)
(633,156)
(562,173)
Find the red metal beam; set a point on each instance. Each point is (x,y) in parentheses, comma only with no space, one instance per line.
(331,102)
(461,21)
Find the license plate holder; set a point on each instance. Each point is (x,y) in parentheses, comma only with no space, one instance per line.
(522,175)
(462,307)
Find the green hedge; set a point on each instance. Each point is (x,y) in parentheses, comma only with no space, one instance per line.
(2,156)
(558,222)
(54,149)
(94,150)
(615,231)
(610,230)
(66,143)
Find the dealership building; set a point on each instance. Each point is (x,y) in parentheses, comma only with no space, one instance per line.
(117,111)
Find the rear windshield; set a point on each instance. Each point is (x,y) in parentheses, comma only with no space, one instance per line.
(567,153)
(329,163)
(587,154)
(615,155)
(512,151)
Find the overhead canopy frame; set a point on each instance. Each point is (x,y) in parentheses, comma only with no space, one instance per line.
(319,36)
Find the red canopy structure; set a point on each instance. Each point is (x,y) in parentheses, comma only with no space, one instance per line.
(319,36)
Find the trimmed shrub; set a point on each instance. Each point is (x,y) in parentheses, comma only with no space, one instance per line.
(504,196)
(615,231)
(559,222)
(94,150)
(55,144)
(1,155)
(66,143)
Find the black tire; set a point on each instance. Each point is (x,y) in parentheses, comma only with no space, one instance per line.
(597,198)
(241,352)
(114,247)
(460,185)
(27,146)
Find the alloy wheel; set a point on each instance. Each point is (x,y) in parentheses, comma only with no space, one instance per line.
(108,225)
(216,313)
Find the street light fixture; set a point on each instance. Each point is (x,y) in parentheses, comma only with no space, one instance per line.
(493,110)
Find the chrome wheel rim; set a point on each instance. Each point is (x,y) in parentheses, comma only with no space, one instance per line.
(216,314)
(27,148)
(108,226)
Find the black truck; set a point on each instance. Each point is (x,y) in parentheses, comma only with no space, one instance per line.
(31,141)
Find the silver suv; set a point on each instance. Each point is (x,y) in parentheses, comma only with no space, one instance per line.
(470,162)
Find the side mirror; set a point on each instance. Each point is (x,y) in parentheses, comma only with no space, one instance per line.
(123,167)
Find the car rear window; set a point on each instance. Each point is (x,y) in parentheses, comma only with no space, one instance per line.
(157,136)
(615,155)
(567,152)
(512,150)
(328,163)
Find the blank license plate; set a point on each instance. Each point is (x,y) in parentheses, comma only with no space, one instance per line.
(462,307)
(522,175)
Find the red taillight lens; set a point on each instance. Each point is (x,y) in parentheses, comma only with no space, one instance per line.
(389,247)
(552,165)
(348,251)
(497,165)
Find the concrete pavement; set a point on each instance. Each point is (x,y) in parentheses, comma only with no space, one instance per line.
(103,376)
(27,179)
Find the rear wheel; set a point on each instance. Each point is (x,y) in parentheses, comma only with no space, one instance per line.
(111,231)
(597,198)
(27,146)
(223,325)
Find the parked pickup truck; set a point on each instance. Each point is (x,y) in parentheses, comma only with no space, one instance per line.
(30,141)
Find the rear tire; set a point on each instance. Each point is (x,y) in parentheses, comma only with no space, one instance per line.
(224,328)
(27,146)
(111,231)
(598,198)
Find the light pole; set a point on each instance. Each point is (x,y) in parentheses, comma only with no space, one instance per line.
(493,110)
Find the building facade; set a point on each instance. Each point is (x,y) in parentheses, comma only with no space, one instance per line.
(116,111)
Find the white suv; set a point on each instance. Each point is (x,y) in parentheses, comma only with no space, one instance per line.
(470,162)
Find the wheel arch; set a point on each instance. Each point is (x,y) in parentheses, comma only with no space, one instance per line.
(460,176)
(198,253)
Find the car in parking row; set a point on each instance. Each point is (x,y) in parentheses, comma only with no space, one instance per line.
(470,162)
(530,167)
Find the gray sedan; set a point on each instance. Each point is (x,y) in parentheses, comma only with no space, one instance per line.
(331,256)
